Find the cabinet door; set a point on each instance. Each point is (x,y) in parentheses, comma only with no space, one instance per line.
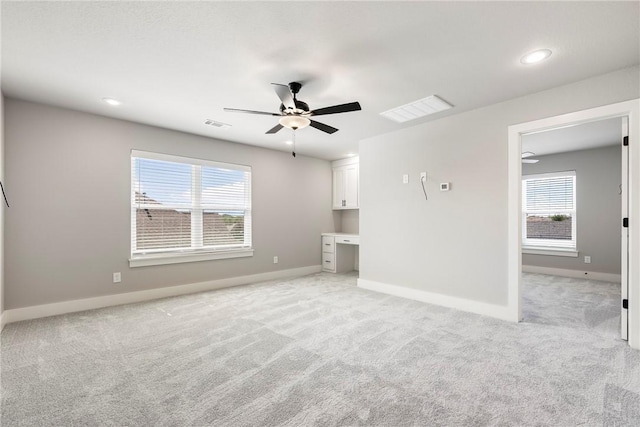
(338,188)
(351,186)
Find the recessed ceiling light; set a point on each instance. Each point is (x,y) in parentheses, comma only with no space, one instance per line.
(350,154)
(535,56)
(288,142)
(112,101)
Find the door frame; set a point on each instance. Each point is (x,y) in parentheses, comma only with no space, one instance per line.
(624,232)
(629,109)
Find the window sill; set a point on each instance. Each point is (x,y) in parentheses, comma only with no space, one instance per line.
(550,251)
(177,258)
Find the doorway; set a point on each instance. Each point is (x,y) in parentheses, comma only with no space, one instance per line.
(571,243)
(628,112)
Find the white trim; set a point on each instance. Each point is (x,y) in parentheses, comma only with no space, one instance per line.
(175,258)
(579,274)
(187,160)
(497,311)
(344,162)
(631,109)
(624,232)
(550,251)
(46,310)
(549,175)
(514,222)
(2,321)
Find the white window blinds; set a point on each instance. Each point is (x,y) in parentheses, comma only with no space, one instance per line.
(549,210)
(183,205)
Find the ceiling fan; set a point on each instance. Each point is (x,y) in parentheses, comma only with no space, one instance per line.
(295,114)
(526,155)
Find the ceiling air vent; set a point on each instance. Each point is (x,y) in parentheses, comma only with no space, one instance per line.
(215,124)
(416,109)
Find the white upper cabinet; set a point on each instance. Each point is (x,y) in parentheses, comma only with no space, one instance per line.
(345,184)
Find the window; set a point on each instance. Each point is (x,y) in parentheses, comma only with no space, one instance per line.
(549,211)
(186,209)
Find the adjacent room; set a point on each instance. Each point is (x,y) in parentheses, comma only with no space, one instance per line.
(572,199)
(320,213)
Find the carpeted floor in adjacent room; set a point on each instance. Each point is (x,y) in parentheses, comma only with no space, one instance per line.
(318,351)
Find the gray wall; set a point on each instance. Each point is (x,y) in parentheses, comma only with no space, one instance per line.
(456,242)
(350,222)
(598,208)
(68,227)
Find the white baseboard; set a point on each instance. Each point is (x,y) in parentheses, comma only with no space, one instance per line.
(46,310)
(2,322)
(498,311)
(580,274)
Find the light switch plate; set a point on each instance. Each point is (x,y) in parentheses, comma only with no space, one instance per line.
(405,179)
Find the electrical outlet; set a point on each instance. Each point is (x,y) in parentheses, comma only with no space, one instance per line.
(423,176)
(117,277)
(587,259)
(405,179)
(275,259)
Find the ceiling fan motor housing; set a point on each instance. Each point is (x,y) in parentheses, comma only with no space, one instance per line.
(295,87)
(301,107)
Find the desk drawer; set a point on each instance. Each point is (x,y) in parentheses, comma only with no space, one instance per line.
(328,244)
(348,240)
(328,262)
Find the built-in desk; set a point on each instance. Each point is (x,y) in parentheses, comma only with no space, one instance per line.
(339,252)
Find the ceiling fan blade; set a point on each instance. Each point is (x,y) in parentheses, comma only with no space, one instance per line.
(323,127)
(342,108)
(275,129)
(530,160)
(284,93)
(263,113)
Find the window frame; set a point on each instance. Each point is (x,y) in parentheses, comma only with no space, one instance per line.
(196,251)
(549,246)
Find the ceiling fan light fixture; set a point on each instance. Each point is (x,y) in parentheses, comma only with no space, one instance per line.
(294,122)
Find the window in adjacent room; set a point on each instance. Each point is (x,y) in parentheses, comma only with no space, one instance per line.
(549,211)
(185,209)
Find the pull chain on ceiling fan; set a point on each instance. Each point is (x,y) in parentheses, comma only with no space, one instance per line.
(293,141)
(295,114)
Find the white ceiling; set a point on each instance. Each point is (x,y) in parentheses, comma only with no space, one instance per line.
(175,64)
(585,136)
